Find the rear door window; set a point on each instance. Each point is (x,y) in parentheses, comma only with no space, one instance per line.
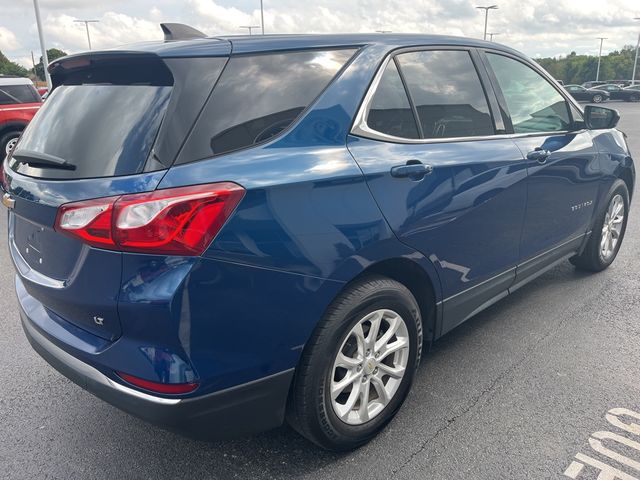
(258,96)
(12,94)
(446,90)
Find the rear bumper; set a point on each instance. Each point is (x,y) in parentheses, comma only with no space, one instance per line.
(241,410)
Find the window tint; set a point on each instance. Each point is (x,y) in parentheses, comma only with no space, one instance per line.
(259,96)
(390,111)
(101,130)
(533,103)
(446,90)
(10,94)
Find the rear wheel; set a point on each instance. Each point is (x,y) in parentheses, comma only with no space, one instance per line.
(358,366)
(8,142)
(597,98)
(608,232)
(634,97)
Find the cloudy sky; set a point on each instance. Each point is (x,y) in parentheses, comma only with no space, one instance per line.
(537,27)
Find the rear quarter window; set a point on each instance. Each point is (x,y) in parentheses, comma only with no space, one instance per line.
(258,96)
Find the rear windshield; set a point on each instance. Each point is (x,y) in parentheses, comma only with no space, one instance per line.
(258,96)
(85,131)
(12,94)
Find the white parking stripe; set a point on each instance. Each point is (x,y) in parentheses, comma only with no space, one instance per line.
(607,472)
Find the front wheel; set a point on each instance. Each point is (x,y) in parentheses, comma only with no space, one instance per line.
(358,367)
(608,232)
(596,98)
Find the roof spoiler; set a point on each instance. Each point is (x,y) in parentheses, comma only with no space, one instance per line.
(180,31)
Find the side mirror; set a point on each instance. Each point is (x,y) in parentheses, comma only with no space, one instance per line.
(598,118)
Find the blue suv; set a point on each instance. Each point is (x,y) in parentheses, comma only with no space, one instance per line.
(218,234)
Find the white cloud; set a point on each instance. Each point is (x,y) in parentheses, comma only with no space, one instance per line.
(8,40)
(545,27)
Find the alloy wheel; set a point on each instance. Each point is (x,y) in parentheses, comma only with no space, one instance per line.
(369,367)
(597,98)
(10,145)
(612,228)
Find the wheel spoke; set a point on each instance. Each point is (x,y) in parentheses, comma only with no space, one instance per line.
(391,331)
(390,348)
(363,411)
(383,396)
(375,320)
(347,362)
(353,398)
(359,333)
(350,378)
(395,372)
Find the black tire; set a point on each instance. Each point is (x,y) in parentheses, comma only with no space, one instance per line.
(4,141)
(597,98)
(310,411)
(634,97)
(591,258)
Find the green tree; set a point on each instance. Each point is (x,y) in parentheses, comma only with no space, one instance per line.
(7,67)
(52,54)
(574,68)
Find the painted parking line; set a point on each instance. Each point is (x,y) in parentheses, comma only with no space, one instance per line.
(623,420)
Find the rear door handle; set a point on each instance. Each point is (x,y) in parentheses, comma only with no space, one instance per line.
(413,169)
(539,154)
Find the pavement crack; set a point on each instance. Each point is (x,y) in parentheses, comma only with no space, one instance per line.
(491,386)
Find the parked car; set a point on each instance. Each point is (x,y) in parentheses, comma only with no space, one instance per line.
(281,245)
(594,95)
(593,83)
(616,92)
(635,87)
(19,102)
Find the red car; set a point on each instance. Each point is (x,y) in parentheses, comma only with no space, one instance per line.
(19,102)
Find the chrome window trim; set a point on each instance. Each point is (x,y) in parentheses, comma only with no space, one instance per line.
(361,129)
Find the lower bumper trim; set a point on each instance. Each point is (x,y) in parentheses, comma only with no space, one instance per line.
(245,409)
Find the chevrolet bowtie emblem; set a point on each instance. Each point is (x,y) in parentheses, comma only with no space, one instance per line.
(8,201)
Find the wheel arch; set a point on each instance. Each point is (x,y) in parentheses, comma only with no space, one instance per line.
(14,126)
(413,276)
(627,176)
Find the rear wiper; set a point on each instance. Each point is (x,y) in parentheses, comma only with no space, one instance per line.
(39,159)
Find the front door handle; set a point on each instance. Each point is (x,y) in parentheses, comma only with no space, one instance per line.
(539,154)
(413,169)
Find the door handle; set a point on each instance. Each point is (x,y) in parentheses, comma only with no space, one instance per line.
(539,154)
(413,169)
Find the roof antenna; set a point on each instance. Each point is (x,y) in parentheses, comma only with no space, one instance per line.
(180,31)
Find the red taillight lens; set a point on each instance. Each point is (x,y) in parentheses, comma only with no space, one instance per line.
(175,221)
(166,388)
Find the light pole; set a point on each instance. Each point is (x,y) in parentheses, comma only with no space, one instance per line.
(86,25)
(491,34)
(602,39)
(262,16)
(250,28)
(45,58)
(486,17)
(635,62)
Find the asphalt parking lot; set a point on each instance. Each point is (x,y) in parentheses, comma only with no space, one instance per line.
(513,393)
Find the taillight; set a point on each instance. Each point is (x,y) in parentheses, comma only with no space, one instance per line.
(166,388)
(175,221)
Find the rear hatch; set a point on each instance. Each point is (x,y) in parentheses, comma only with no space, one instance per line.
(108,128)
